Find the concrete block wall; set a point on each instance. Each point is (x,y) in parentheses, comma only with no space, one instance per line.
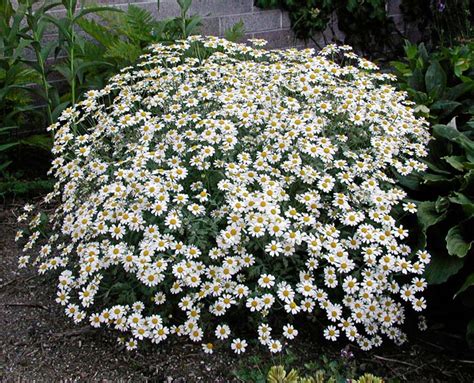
(220,15)
(272,25)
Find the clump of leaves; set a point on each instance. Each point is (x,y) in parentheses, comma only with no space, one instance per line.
(442,22)
(442,84)
(278,374)
(123,37)
(447,215)
(365,23)
(22,84)
(282,369)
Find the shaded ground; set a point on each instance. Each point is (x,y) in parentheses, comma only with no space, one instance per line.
(38,343)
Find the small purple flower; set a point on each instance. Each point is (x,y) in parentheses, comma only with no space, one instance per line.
(346,353)
(441,6)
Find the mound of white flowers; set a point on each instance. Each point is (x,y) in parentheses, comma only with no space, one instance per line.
(216,186)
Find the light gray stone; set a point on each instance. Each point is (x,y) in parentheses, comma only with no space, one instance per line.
(285,20)
(210,26)
(254,22)
(281,38)
(220,7)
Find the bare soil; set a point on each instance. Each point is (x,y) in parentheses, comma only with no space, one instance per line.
(38,343)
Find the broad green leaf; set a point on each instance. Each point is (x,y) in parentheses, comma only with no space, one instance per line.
(184,5)
(416,80)
(445,131)
(411,50)
(428,216)
(441,204)
(411,181)
(466,203)
(445,106)
(442,267)
(435,79)
(60,24)
(436,179)
(423,52)
(470,334)
(457,91)
(399,66)
(456,243)
(467,283)
(192,25)
(454,135)
(41,141)
(457,162)
(468,181)
(5,147)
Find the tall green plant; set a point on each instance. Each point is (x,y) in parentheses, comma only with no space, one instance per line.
(28,61)
(72,68)
(15,75)
(442,84)
(20,82)
(120,38)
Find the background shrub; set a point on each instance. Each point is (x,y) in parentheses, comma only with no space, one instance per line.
(442,85)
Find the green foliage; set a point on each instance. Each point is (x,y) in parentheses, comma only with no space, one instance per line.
(120,38)
(12,186)
(278,374)
(15,79)
(366,24)
(442,84)
(74,67)
(441,23)
(236,32)
(113,40)
(283,369)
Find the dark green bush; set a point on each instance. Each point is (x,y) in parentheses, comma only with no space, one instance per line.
(366,24)
(442,84)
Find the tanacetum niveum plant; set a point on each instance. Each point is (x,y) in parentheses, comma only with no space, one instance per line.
(216,186)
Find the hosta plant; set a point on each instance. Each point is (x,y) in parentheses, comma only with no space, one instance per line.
(226,193)
(442,84)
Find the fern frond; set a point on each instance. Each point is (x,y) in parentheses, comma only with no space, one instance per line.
(98,32)
(139,23)
(124,51)
(236,32)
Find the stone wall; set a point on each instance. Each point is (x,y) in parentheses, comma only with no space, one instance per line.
(272,25)
(218,15)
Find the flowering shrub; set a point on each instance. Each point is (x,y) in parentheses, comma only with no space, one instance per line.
(217,185)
